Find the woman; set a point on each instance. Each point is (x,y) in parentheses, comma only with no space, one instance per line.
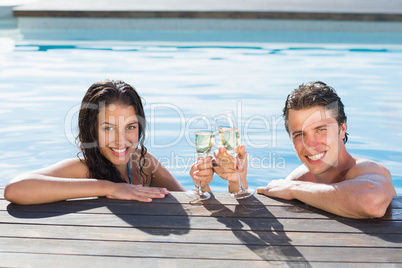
(114,163)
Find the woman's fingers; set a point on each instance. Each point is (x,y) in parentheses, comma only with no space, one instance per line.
(203,170)
(204,175)
(137,192)
(204,163)
(150,192)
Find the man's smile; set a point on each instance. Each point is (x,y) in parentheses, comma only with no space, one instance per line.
(316,156)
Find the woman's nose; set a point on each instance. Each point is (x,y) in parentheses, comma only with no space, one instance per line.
(120,138)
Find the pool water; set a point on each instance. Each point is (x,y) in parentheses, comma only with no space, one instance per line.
(41,86)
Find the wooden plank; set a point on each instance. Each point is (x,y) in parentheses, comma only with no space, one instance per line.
(221,232)
(129,207)
(68,261)
(200,251)
(136,208)
(183,223)
(225,199)
(118,207)
(201,236)
(217,199)
(106,206)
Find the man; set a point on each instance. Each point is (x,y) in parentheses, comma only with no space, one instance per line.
(330,178)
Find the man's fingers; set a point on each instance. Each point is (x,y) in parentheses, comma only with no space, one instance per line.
(261,190)
(242,151)
(222,170)
(220,152)
(226,162)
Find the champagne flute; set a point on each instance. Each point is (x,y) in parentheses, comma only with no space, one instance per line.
(230,138)
(204,140)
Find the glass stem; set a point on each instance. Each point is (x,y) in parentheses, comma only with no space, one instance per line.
(241,188)
(199,188)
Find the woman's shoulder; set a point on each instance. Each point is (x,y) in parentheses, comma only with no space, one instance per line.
(159,175)
(150,159)
(68,168)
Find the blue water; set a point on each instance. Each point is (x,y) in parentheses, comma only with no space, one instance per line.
(41,87)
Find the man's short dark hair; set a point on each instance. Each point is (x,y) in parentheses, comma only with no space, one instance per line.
(315,94)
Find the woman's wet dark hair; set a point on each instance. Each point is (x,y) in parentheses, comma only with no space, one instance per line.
(315,94)
(99,95)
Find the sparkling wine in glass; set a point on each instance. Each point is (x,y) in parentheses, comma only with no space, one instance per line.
(230,138)
(204,140)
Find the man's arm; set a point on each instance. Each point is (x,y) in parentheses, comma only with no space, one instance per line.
(366,192)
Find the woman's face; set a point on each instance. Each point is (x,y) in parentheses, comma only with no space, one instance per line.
(118,128)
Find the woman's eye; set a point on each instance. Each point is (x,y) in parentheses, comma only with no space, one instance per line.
(131,127)
(109,128)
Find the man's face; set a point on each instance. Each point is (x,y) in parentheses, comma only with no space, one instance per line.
(317,138)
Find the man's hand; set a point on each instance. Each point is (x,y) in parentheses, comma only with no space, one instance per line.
(227,167)
(277,189)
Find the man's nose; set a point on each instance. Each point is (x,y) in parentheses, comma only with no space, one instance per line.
(311,141)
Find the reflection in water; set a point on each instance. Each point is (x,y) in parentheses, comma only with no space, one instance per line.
(41,86)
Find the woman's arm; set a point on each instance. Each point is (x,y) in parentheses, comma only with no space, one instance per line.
(160,176)
(68,179)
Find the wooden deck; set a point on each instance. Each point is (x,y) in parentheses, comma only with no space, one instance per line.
(171,232)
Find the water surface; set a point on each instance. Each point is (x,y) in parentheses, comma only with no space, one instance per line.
(41,87)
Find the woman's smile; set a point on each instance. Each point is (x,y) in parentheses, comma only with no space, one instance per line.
(120,152)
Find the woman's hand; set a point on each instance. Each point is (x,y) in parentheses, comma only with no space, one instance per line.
(227,167)
(202,171)
(136,192)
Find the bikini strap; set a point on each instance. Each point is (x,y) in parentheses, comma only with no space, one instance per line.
(129,174)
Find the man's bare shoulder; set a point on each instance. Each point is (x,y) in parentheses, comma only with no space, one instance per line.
(301,173)
(364,167)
